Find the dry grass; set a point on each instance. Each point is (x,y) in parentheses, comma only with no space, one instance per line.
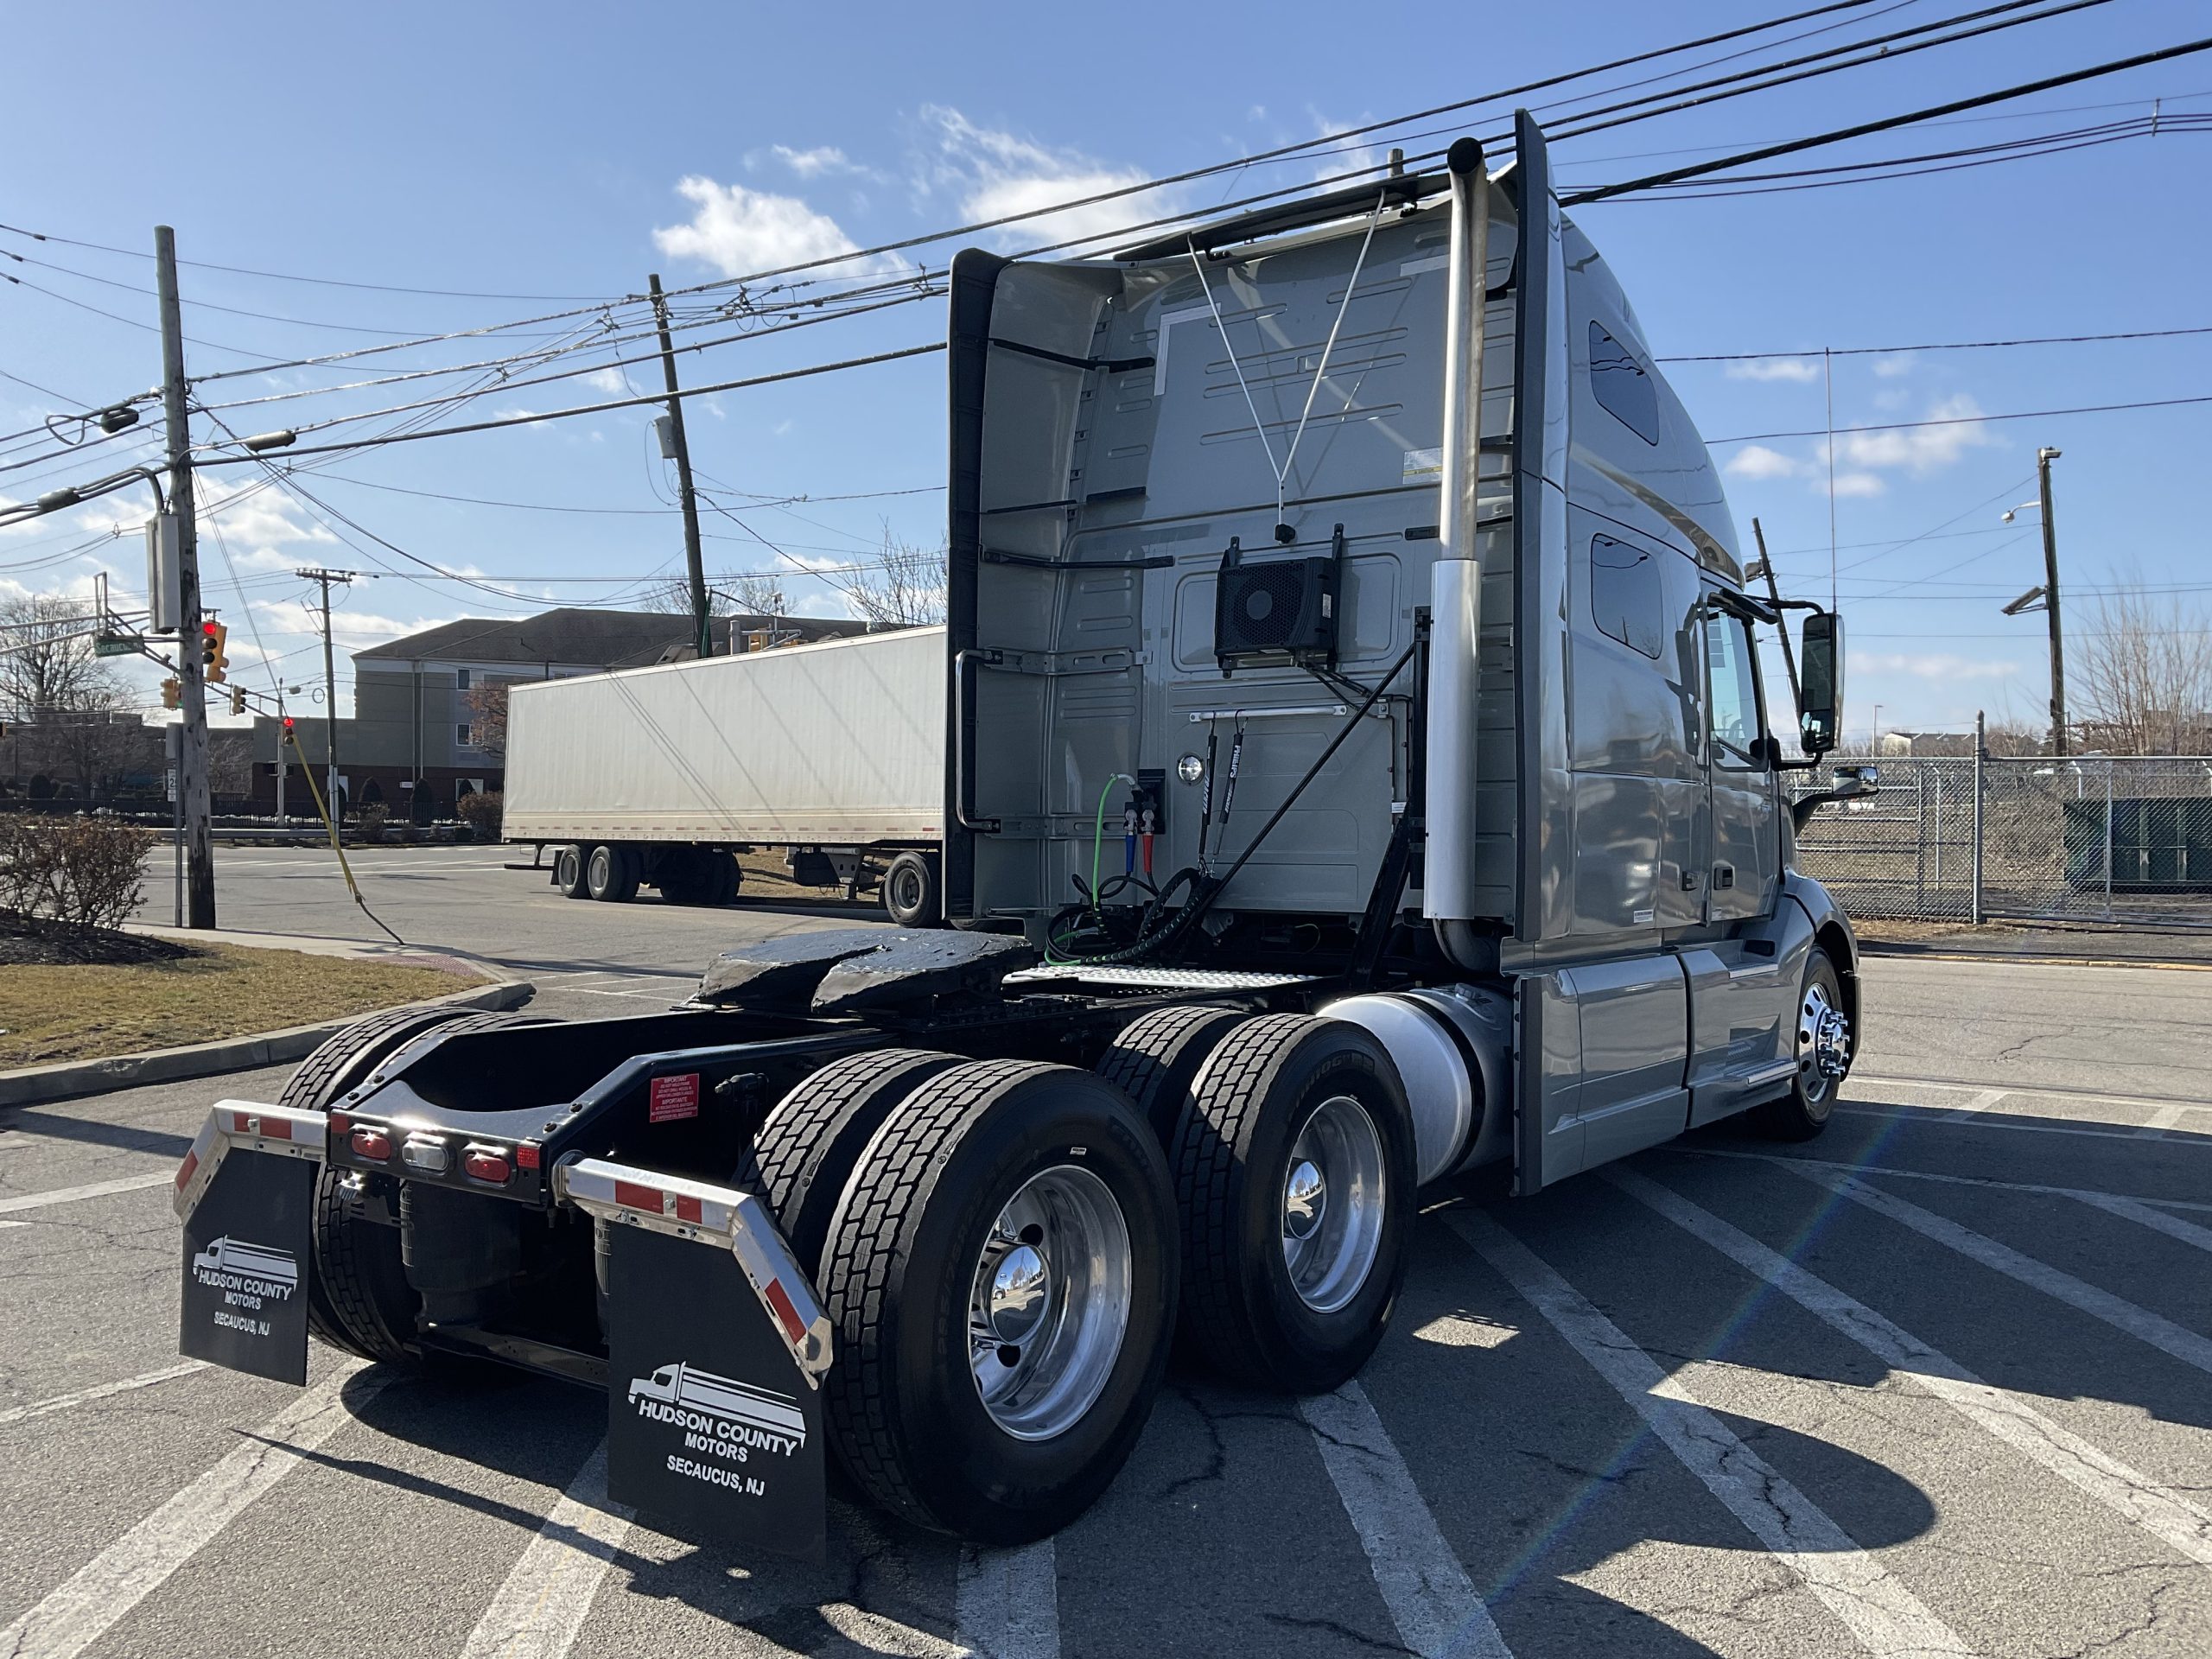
(76,1013)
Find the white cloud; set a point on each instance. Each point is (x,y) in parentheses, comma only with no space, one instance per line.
(815,164)
(1850,484)
(741,231)
(1893,366)
(1774,368)
(994,174)
(1935,665)
(517,412)
(608,380)
(1920,450)
(1756,460)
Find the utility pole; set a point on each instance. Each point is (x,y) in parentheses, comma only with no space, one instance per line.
(692,554)
(2043,458)
(192,739)
(329,691)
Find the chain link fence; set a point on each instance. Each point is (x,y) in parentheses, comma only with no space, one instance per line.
(2096,839)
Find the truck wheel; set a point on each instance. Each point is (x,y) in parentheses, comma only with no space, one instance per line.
(358,1298)
(728,877)
(568,872)
(806,1150)
(1295,1182)
(1824,1051)
(342,1061)
(610,875)
(683,876)
(910,890)
(1001,1274)
(1157,1057)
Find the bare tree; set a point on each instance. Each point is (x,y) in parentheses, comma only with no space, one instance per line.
(47,663)
(2141,672)
(903,589)
(487,716)
(735,593)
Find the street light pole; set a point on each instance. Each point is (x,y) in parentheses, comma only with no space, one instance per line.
(191,744)
(2043,458)
(329,691)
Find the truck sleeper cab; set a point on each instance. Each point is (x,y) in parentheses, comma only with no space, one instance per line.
(1351,572)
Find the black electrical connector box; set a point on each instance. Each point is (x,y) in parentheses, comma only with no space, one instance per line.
(1285,607)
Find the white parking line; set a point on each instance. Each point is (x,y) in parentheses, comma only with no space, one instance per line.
(1950,1117)
(540,1610)
(2164,1513)
(2049,1092)
(99,1391)
(1007,1603)
(96,1189)
(1885,1616)
(81,1611)
(2140,1323)
(1436,1611)
(2156,1220)
(1992,1182)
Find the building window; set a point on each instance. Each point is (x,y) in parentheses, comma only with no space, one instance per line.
(460,680)
(461,734)
(1623,387)
(1624,594)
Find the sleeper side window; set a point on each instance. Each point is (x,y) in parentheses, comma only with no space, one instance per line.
(1626,599)
(1622,385)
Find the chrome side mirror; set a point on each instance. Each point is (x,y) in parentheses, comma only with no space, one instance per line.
(1820,712)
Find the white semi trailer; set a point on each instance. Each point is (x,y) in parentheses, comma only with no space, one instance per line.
(1353,558)
(832,752)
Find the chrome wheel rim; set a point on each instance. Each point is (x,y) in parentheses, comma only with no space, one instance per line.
(1049,1304)
(602,870)
(1823,1044)
(566,864)
(1332,1199)
(906,889)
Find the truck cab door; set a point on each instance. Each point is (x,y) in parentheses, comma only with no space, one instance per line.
(1744,871)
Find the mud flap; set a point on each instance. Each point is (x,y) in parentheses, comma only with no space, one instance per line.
(246,1194)
(716,1351)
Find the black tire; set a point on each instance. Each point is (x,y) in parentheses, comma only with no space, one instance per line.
(358,1298)
(727,878)
(1804,1112)
(1242,1310)
(611,874)
(904,1409)
(910,890)
(683,876)
(569,871)
(807,1150)
(1157,1057)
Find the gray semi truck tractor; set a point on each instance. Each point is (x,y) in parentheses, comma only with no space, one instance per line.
(1356,772)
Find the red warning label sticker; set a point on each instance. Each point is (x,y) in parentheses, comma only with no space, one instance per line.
(670,1098)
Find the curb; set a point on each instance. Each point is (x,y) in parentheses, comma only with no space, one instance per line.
(1933,951)
(35,1084)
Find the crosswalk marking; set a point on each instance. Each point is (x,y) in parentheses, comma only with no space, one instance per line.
(541,1608)
(1008,1602)
(100,1391)
(1437,1611)
(2140,1323)
(2163,1513)
(81,1611)
(93,1190)
(1887,1618)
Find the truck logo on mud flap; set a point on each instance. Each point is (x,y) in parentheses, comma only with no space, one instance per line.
(723,1421)
(250,1279)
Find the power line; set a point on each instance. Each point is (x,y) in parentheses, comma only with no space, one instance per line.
(1936,346)
(1967,420)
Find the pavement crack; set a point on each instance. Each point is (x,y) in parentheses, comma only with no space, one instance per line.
(1333,1627)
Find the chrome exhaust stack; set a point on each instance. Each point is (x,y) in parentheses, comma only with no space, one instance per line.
(1456,596)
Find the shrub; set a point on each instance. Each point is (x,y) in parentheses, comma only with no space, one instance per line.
(369,821)
(83,871)
(482,812)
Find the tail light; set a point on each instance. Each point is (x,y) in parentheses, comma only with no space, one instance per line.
(486,1164)
(375,1144)
(427,1152)
(526,1155)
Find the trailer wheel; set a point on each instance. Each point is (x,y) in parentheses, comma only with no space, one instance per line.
(611,874)
(1295,1182)
(910,890)
(805,1153)
(1157,1057)
(1824,1051)
(358,1298)
(569,871)
(1001,1273)
(729,876)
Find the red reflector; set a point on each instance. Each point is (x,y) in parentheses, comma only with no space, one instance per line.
(632,1196)
(372,1144)
(340,1123)
(687,1208)
(487,1167)
(779,1302)
(526,1155)
(184,1170)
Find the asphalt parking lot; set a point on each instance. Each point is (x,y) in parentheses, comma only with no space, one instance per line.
(1939,1382)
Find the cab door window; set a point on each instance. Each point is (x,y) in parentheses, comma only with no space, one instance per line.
(1731,695)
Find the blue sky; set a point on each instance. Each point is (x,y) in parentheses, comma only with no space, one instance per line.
(564,151)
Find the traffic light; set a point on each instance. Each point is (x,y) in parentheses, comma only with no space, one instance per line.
(172,693)
(238,699)
(213,638)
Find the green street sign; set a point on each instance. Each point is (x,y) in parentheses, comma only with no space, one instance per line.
(114,644)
